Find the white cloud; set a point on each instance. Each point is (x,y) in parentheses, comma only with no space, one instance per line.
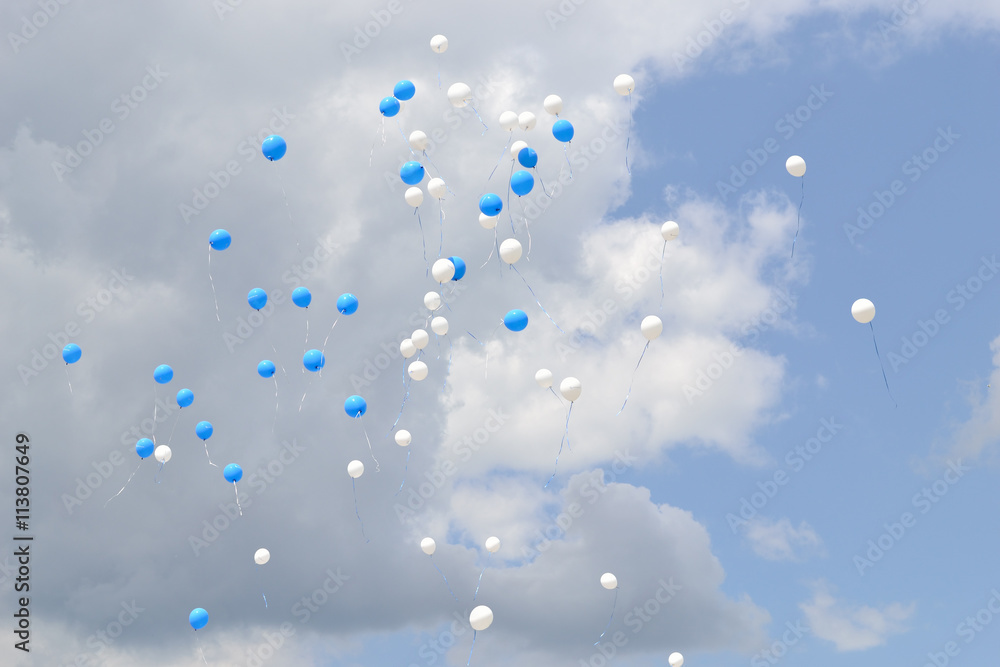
(780,540)
(854,627)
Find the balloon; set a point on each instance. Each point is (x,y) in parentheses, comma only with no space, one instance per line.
(266,369)
(481,617)
(204,430)
(459,94)
(185,397)
(562,130)
(407,348)
(544,378)
(163,374)
(428,546)
(420,339)
(220,239)
(355,406)
(418,140)
(233,473)
(347,303)
(439,43)
(388,107)
(553,104)
(490,204)
(624,84)
(443,270)
(609,581)
(527,157)
(313,360)
(404,90)
(261,556)
(526,120)
(675,660)
(651,327)
(796,166)
(257,298)
(198,618)
(355,469)
(417,370)
(493,544)
(571,389)
(510,250)
(414,196)
(515,320)
(439,325)
(669,230)
(412,172)
(274,147)
(521,182)
(402,437)
(144,448)
(162,454)
(517,147)
(432,301)
(71,353)
(302,297)
(437,188)
(863,311)
(508,121)
(487,221)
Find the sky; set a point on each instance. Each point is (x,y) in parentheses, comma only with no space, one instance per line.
(784,485)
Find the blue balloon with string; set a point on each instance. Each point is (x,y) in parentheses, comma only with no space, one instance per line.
(347,303)
(257,298)
(220,239)
(198,618)
(516,320)
(521,182)
(459,267)
(313,360)
(404,90)
(144,448)
(527,157)
(355,406)
(490,204)
(388,107)
(301,297)
(163,374)
(562,130)
(266,368)
(185,397)
(204,430)
(274,147)
(232,473)
(412,172)
(72,353)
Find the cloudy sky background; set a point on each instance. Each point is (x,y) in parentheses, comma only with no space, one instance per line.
(106,255)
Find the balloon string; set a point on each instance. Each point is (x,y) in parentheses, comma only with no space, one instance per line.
(323,351)
(405,468)
(558,398)
(126,483)
(481,577)
(524,215)
(628,139)
(633,377)
(406,395)
(155,397)
(405,140)
(304,395)
(495,248)
(510,215)
(480,119)
(565,439)
(375,140)
(443,577)
(882,366)
(500,159)
(288,209)
(431,161)
(536,298)
(212,281)
(372,451)
(207,454)
(237,497)
(441,226)
(67,380)
(798,216)
(542,183)
(262,587)
(423,241)
(174,428)
(158,470)
(305,345)
(447,373)
(275,421)
(487,352)
(566,154)
(469,661)
(358,514)
(662,255)
(200,650)
(615,604)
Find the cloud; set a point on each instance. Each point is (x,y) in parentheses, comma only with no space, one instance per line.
(853,627)
(779,540)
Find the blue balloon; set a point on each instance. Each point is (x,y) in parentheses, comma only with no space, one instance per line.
(490,204)
(257,298)
(274,147)
(144,448)
(515,320)
(459,267)
(204,430)
(527,157)
(355,406)
(412,172)
(562,130)
(313,360)
(388,107)
(163,374)
(220,239)
(71,353)
(404,90)
(185,397)
(347,304)
(198,618)
(232,473)
(521,182)
(302,297)
(265,369)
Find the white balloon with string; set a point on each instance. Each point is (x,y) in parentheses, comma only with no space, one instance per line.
(403,439)
(669,230)
(609,582)
(651,328)
(480,619)
(510,253)
(429,546)
(261,557)
(414,196)
(624,85)
(796,166)
(355,469)
(863,311)
(571,389)
(492,546)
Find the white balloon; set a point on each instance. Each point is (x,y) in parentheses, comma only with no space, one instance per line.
(609,581)
(493,544)
(510,250)
(407,348)
(459,94)
(417,370)
(675,659)
(403,437)
(526,120)
(439,325)
(516,148)
(488,221)
(443,270)
(508,120)
(544,378)
(796,166)
(355,468)
(418,140)
(624,84)
(261,556)
(669,230)
(553,104)
(432,301)
(481,617)
(439,43)
(651,327)
(414,196)
(428,546)
(162,454)
(571,389)
(436,188)
(863,311)
(420,338)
